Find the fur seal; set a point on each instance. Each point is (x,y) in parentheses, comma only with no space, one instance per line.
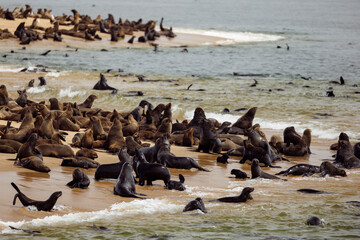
(198,203)
(300,170)
(177,185)
(88,102)
(98,130)
(88,139)
(188,138)
(40,205)
(115,140)
(28,148)
(80,179)
(239,174)
(132,145)
(256,171)
(82,162)
(33,163)
(56,150)
(223,158)
(356,149)
(102,84)
(345,155)
(151,152)
(125,184)
(131,128)
(7,149)
(42,81)
(296,145)
(327,168)
(85,152)
(164,128)
(311,191)
(47,127)
(246,121)
(112,170)
(4,96)
(314,221)
(251,152)
(243,197)
(208,138)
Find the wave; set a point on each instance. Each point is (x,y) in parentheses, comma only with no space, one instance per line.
(117,210)
(67,92)
(232,37)
(9,69)
(35,90)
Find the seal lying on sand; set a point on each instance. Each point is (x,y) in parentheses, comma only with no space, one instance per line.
(243,197)
(82,162)
(33,163)
(80,179)
(40,205)
(300,170)
(198,203)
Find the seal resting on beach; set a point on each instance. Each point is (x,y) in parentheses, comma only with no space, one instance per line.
(256,171)
(300,170)
(251,152)
(198,203)
(40,205)
(115,140)
(125,184)
(80,179)
(177,185)
(85,152)
(56,150)
(238,173)
(4,96)
(243,197)
(209,142)
(28,148)
(82,162)
(327,168)
(112,170)
(102,84)
(33,163)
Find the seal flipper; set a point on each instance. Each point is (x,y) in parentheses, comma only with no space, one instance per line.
(272,166)
(182,179)
(16,187)
(280,173)
(16,196)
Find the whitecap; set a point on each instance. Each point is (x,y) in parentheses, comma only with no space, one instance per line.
(35,90)
(67,92)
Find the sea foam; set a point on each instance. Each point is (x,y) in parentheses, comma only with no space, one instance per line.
(232,37)
(67,92)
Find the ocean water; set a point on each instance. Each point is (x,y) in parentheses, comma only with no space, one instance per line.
(323,37)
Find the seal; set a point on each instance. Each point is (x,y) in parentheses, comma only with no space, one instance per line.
(56,150)
(238,173)
(327,168)
(102,84)
(243,197)
(82,162)
(4,96)
(151,152)
(7,149)
(356,149)
(85,152)
(115,140)
(132,145)
(251,152)
(295,145)
(177,185)
(246,121)
(208,138)
(166,158)
(33,163)
(125,184)
(28,148)
(311,191)
(223,158)
(40,205)
(80,179)
(300,170)
(345,155)
(46,129)
(314,221)
(198,203)
(131,128)
(256,171)
(149,172)
(98,130)
(188,138)
(112,170)
(164,128)
(88,102)
(88,139)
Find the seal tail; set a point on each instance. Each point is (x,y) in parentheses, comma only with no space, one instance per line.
(280,173)
(16,187)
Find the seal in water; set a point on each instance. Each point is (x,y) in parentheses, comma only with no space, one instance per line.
(198,203)
(177,185)
(314,221)
(80,179)
(223,158)
(256,171)
(300,170)
(40,205)
(243,197)
(125,184)
(327,168)
(345,155)
(238,173)
(102,84)
(311,191)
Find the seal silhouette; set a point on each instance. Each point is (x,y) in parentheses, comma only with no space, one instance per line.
(243,197)
(198,203)
(256,171)
(40,205)
(102,84)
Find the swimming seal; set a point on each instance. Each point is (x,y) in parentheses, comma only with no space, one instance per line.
(327,168)
(314,221)
(243,197)
(40,205)
(256,171)
(80,179)
(125,184)
(300,170)
(311,191)
(177,185)
(102,84)
(345,155)
(356,149)
(198,203)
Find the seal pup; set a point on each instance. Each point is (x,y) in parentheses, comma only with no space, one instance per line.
(40,205)
(327,168)
(243,197)
(125,184)
(314,221)
(102,84)
(238,173)
(177,185)
(56,150)
(198,203)
(223,158)
(256,171)
(300,170)
(80,179)
(85,152)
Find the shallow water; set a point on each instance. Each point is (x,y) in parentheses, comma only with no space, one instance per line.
(323,38)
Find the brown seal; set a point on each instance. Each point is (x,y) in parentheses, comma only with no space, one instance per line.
(327,168)
(11,143)
(125,184)
(88,139)
(188,138)
(4,96)
(82,162)
(131,128)
(132,145)
(209,142)
(345,155)
(28,148)
(80,179)
(56,150)
(98,130)
(7,149)
(246,121)
(40,205)
(85,152)
(243,197)
(54,104)
(47,128)
(33,163)
(115,140)
(88,102)
(256,171)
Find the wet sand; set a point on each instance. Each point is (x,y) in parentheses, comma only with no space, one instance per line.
(181,39)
